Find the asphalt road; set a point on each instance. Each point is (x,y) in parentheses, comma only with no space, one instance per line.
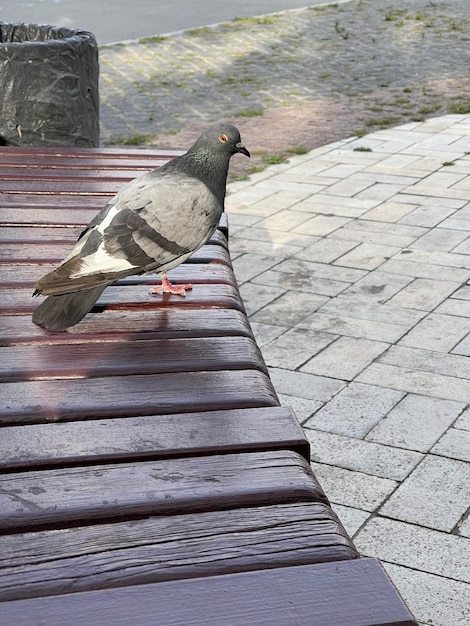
(120,20)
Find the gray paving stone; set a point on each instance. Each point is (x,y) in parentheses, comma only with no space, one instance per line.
(424,270)
(283,220)
(379,233)
(424,294)
(265,333)
(336,205)
(249,265)
(428,361)
(390,211)
(419,548)
(367,256)
(361,456)
(433,600)
(345,357)
(353,489)
(462,294)
(378,286)
(296,346)
(437,332)
(351,518)
(276,238)
(326,250)
(416,423)
(255,297)
(446,259)
(464,529)
(288,310)
(304,282)
(435,495)
(320,225)
(464,420)
(353,327)
(464,247)
(367,309)
(455,443)
(412,381)
(441,240)
(355,411)
(302,407)
(381,192)
(321,270)
(303,385)
(242,245)
(460,308)
(428,216)
(457,223)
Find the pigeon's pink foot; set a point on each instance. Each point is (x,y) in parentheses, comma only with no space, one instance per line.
(167,287)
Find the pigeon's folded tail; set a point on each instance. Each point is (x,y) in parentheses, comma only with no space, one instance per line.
(60,312)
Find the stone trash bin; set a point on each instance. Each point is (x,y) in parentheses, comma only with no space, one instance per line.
(48,86)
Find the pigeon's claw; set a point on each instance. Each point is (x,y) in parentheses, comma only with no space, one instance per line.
(167,287)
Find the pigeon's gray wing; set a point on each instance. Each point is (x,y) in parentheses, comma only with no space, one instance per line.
(153,224)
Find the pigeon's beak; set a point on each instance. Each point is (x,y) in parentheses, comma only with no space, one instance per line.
(240,146)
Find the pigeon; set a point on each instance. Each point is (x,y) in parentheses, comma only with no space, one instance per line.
(152,224)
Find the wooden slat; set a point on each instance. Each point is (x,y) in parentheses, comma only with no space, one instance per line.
(53,252)
(60,187)
(46,173)
(20,301)
(124,153)
(93,360)
(162,548)
(12,275)
(152,436)
(65,235)
(131,324)
(78,495)
(352,593)
(36,402)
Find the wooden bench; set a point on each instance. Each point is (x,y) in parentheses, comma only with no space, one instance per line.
(148,473)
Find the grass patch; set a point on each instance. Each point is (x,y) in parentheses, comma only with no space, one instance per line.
(274,159)
(297,149)
(460,107)
(448,163)
(198,32)
(253,20)
(153,39)
(430,108)
(362,149)
(382,121)
(133,140)
(341,31)
(250,113)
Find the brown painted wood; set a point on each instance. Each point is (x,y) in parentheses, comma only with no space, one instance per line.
(345,593)
(12,275)
(131,324)
(21,302)
(93,360)
(28,154)
(78,495)
(67,235)
(103,556)
(37,402)
(51,252)
(152,436)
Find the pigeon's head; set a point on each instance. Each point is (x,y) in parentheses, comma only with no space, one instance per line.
(223,139)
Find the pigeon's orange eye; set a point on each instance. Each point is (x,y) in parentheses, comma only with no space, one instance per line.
(223,138)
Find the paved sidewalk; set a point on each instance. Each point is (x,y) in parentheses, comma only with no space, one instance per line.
(354,262)
(293,80)
(354,258)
